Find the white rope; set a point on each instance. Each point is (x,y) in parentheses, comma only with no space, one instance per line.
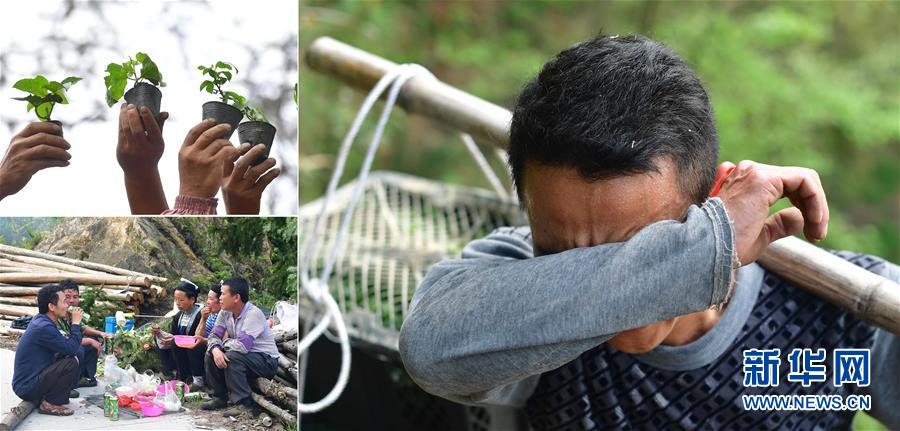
(483,164)
(317,289)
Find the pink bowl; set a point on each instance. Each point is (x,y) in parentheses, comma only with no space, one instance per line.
(185,340)
(151,409)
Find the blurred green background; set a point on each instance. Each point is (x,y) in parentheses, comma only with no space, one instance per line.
(814,84)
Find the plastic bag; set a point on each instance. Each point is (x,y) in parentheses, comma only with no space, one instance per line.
(171,403)
(114,374)
(147,382)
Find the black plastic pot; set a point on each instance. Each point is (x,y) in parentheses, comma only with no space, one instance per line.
(257,132)
(223,113)
(143,94)
(58,123)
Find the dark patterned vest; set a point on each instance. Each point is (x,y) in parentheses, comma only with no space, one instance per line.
(608,389)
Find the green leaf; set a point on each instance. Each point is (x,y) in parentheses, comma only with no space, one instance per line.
(128,68)
(223,65)
(31,99)
(70,81)
(149,70)
(115,81)
(34,85)
(43,110)
(239,101)
(255,114)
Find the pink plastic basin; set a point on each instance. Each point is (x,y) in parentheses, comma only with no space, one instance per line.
(151,408)
(185,340)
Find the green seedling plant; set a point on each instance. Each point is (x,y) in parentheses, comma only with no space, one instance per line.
(254,114)
(43,94)
(138,69)
(219,75)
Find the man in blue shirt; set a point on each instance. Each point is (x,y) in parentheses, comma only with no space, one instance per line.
(46,365)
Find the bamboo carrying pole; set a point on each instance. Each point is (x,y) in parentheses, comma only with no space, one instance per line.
(869,296)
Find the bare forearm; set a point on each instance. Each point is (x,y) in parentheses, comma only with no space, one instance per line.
(145,193)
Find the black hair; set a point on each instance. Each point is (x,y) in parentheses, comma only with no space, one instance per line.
(48,295)
(68,284)
(612,106)
(189,289)
(216,288)
(238,286)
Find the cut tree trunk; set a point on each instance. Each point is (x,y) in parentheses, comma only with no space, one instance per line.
(83,264)
(12,310)
(9,290)
(289,347)
(269,388)
(47,277)
(16,415)
(281,337)
(6,330)
(49,264)
(276,411)
(18,301)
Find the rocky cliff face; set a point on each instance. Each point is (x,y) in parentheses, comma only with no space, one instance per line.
(151,245)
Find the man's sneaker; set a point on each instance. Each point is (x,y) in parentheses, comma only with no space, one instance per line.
(87,382)
(236,410)
(74,394)
(215,403)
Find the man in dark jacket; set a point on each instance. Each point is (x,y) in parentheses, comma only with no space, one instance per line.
(46,365)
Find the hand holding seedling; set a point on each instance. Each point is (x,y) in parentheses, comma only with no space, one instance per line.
(201,158)
(36,147)
(139,69)
(244,182)
(750,189)
(138,153)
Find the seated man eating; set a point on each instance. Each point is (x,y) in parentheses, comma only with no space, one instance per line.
(629,301)
(46,366)
(247,353)
(90,346)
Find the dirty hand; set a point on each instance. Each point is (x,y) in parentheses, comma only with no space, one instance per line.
(750,189)
(220,358)
(77,313)
(35,148)
(154,330)
(201,157)
(244,183)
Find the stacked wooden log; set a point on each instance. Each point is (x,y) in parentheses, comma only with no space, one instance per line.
(23,272)
(278,395)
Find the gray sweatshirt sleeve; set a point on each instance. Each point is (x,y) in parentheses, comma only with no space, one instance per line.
(885,363)
(482,329)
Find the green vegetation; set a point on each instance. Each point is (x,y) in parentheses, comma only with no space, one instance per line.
(138,69)
(792,83)
(219,75)
(43,94)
